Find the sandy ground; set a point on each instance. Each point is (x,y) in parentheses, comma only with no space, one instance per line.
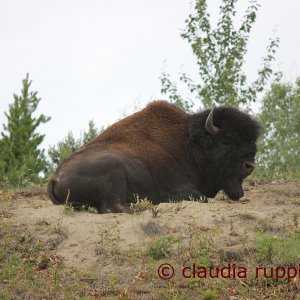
(77,237)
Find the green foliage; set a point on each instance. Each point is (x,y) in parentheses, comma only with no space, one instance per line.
(168,87)
(279,150)
(89,135)
(220,54)
(278,250)
(159,248)
(64,148)
(209,295)
(199,247)
(92,210)
(140,205)
(21,160)
(265,251)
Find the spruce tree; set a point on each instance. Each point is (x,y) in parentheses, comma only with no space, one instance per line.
(21,158)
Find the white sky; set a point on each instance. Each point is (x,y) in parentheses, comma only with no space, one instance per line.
(91,59)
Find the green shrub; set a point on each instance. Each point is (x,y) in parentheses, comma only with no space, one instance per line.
(159,248)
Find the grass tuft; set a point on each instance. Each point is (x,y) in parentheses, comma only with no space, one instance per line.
(159,248)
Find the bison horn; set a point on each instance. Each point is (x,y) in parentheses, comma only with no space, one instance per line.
(209,124)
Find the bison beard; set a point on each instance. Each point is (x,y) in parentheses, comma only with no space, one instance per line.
(161,153)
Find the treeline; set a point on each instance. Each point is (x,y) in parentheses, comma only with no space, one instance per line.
(22,161)
(220,55)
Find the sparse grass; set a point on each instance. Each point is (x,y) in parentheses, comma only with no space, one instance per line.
(278,250)
(19,264)
(68,208)
(92,210)
(141,205)
(296,219)
(296,202)
(5,196)
(30,269)
(201,199)
(265,250)
(269,225)
(199,247)
(2,253)
(42,222)
(178,206)
(154,211)
(209,295)
(247,216)
(233,231)
(44,262)
(159,248)
(109,241)
(57,228)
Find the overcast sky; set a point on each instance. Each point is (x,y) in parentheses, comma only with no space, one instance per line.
(93,59)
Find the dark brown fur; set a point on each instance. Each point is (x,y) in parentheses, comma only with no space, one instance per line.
(159,152)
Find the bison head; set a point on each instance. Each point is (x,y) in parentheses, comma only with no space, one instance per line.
(223,144)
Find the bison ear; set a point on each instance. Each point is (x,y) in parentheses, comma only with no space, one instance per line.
(209,124)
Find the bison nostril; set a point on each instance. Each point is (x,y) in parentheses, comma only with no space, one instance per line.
(249,166)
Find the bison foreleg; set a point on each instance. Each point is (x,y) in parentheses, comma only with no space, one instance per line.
(184,192)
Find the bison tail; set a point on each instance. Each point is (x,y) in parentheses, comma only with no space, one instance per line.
(50,190)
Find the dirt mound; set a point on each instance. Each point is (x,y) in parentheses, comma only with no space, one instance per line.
(80,238)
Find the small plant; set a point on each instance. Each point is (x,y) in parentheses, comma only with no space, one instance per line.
(265,251)
(209,294)
(159,248)
(296,202)
(44,262)
(178,206)
(92,210)
(199,246)
(296,219)
(68,208)
(57,228)
(154,210)
(267,225)
(109,241)
(10,269)
(2,254)
(245,237)
(201,199)
(141,205)
(42,222)
(233,231)
(38,245)
(280,251)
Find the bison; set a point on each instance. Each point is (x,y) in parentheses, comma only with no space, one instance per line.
(161,153)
